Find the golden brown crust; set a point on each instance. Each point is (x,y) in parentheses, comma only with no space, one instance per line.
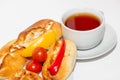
(6,47)
(38,26)
(36,30)
(67,65)
(25,75)
(10,62)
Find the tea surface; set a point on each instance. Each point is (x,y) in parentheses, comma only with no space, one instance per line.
(82,21)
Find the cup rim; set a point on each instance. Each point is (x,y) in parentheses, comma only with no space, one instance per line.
(78,10)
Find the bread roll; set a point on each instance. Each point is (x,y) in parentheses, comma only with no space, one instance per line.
(66,66)
(25,75)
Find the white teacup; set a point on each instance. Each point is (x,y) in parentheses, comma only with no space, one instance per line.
(84,39)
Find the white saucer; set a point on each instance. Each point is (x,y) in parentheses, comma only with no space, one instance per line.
(108,43)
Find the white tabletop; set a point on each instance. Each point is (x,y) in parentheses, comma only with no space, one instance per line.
(16,15)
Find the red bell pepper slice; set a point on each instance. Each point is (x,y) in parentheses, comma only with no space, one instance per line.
(53,69)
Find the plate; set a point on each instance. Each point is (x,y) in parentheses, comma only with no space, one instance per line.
(108,43)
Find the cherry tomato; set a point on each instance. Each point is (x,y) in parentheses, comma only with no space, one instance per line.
(34,66)
(39,54)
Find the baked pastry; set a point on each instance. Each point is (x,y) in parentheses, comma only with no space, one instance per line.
(67,63)
(25,75)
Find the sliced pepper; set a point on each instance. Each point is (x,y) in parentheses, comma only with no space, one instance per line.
(54,67)
(43,41)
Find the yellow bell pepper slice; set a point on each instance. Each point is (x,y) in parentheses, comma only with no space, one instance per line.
(43,41)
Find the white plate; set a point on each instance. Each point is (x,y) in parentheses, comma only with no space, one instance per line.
(108,43)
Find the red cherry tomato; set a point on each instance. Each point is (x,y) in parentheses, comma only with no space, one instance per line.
(39,54)
(34,66)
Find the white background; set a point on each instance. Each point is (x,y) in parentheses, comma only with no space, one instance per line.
(16,15)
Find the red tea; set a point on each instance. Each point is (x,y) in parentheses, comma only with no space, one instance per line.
(82,21)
